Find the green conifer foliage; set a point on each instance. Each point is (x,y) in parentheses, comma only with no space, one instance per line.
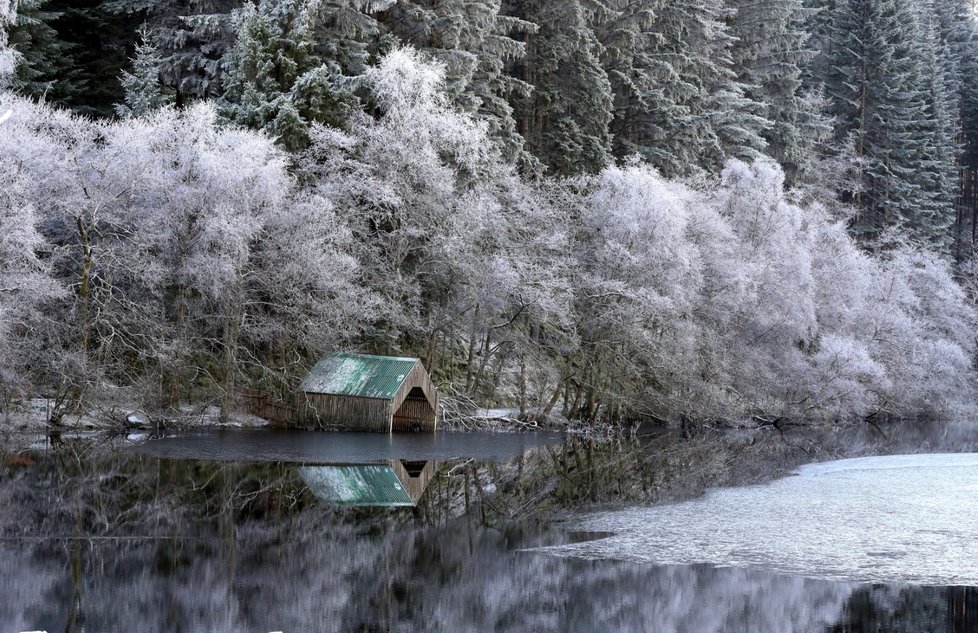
(8,57)
(295,62)
(678,102)
(275,78)
(44,69)
(958,32)
(887,90)
(142,87)
(99,43)
(770,50)
(192,37)
(566,120)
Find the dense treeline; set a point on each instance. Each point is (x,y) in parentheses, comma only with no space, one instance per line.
(594,209)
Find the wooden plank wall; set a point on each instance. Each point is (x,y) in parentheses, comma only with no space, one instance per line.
(409,412)
(351,413)
(259,403)
(326,411)
(414,414)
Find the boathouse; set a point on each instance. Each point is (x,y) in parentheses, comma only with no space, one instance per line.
(361,392)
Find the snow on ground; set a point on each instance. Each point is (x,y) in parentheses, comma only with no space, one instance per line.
(33,415)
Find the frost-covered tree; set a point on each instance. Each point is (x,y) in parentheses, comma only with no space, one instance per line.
(456,247)
(56,158)
(191,38)
(27,286)
(476,44)
(678,101)
(888,93)
(180,245)
(7,56)
(958,32)
(730,299)
(293,63)
(142,87)
(238,268)
(769,53)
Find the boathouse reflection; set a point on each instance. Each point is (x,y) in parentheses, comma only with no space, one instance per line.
(391,483)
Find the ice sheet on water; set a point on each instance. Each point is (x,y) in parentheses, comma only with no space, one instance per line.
(900,519)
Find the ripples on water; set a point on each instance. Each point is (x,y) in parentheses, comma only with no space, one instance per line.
(96,537)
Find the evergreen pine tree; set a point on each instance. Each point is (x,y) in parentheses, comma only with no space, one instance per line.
(101,43)
(291,64)
(566,120)
(770,50)
(678,102)
(937,133)
(818,24)
(880,97)
(142,87)
(958,28)
(45,69)
(270,52)
(8,56)
(635,75)
(191,37)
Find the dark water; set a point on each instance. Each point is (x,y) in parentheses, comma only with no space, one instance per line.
(313,446)
(99,534)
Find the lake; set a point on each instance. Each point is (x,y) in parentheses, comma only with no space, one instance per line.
(289,531)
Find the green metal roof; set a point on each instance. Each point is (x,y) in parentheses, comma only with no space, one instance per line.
(356,485)
(359,375)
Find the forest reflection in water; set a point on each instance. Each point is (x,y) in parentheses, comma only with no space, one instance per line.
(97,538)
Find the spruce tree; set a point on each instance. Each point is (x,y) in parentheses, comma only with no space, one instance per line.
(101,42)
(876,81)
(45,68)
(566,120)
(271,51)
(937,131)
(634,74)
(958,28)
(192,37)
(678,102)
(8,57)
(142,87)
(295,62)
(770,50)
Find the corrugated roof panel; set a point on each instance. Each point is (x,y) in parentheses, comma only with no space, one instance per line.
(356,485)
(360,375)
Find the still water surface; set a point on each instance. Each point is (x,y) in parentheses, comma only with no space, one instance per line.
(313,446)
(220,532)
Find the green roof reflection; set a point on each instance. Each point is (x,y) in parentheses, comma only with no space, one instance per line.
(356,485)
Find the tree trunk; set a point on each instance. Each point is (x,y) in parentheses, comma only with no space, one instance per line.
(231,327)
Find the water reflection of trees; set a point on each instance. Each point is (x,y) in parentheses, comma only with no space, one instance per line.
(670,467)
(882,609)
(329,580)
(149,544)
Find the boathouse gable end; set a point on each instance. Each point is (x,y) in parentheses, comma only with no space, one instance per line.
(363,392)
